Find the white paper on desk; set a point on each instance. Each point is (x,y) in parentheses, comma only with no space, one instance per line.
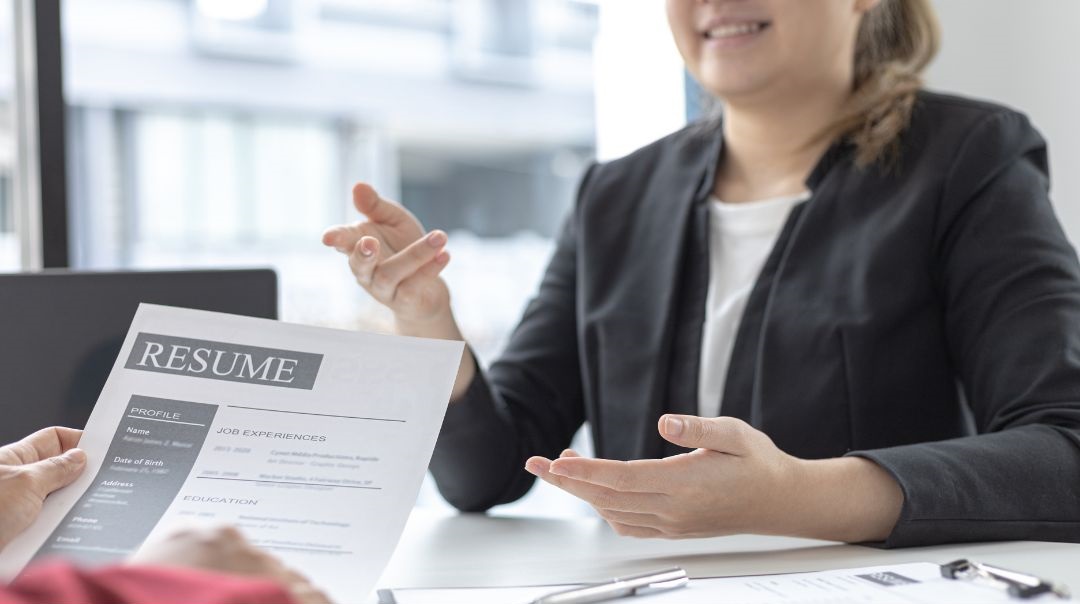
(312,441)
(916,583)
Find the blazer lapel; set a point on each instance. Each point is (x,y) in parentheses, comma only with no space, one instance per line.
(742,389)
(636,335)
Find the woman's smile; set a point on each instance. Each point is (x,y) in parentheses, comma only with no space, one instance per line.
(726,33)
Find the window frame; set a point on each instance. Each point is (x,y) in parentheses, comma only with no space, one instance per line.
(40,191)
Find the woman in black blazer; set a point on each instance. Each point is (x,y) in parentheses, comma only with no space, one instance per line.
(905,366)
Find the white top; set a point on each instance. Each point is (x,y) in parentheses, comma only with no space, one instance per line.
(740,239)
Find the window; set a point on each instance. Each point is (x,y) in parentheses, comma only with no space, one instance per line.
(9,243)
(230,133)
(222,139)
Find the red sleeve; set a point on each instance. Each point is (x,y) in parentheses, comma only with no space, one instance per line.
(57,583)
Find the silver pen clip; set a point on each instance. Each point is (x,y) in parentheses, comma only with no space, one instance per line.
(636,585)
(1019,585)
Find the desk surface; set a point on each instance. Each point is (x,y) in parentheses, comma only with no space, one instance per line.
(439,550)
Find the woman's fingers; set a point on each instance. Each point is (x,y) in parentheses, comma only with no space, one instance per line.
(363,260)
(344,237)
(377,209)
(638,519)
(436,266)
(629,530)
(391,256)
(601,498)
(385,277)
(391,223)
(404,264)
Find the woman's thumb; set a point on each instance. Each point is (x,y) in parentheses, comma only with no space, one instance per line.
(723,434)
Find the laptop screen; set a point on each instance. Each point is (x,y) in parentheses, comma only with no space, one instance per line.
(60,332)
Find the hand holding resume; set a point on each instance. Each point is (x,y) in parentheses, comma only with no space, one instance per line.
(312,441)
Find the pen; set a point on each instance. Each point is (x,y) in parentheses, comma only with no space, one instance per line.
(636,585)
(1017,584)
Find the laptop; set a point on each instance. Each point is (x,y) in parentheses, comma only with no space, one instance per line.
(60,332)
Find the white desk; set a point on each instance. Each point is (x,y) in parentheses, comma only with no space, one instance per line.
(439,550)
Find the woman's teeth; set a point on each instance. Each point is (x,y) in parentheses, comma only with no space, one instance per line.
(736,29)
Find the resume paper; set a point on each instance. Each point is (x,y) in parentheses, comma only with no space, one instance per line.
(312,441)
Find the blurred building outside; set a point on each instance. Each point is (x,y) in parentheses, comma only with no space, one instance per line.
(229,132)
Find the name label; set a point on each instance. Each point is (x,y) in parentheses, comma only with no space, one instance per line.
(224,361)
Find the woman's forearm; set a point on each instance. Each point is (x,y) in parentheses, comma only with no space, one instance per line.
(848,499)
(444,327)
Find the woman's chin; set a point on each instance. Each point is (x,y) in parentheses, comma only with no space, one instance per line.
(729,88)
(732,78)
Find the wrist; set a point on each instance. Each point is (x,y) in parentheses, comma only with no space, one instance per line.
(849,499)
(440,325)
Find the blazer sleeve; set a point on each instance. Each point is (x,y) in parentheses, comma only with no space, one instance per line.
(58,583)
(1010,285)
(530,402)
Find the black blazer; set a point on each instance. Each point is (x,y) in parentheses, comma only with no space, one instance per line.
(895,301)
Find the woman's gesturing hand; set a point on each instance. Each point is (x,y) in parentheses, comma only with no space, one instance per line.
(394,259)
(732,484)
(399,264)
(736,481)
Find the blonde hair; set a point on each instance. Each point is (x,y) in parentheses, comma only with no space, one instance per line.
(897,39)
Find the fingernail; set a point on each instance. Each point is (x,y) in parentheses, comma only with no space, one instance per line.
(534,467)
(77,455)
(673,426)
(365,249)
(437,238)
(558,470)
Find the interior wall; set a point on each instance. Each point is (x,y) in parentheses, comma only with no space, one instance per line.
(1025,55)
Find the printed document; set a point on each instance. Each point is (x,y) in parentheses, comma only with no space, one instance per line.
(312,441)
(914,583)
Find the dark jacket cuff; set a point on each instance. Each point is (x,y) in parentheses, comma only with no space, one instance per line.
(996,486)
(475,455)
